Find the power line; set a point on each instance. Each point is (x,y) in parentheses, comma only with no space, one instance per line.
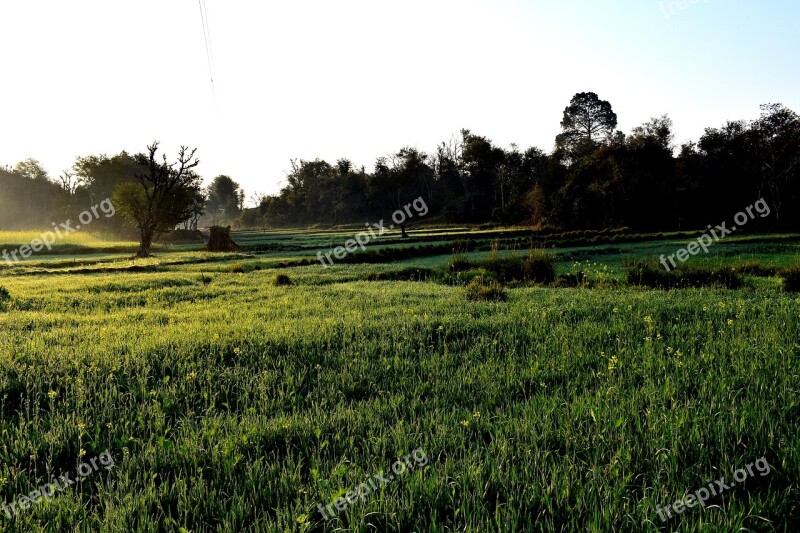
(207,39)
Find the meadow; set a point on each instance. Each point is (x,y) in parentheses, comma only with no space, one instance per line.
(234,402)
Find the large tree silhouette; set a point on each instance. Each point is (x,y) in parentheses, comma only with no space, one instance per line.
(163,197)
(587,120)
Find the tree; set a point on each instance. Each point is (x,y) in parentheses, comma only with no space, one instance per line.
(776,136)
(224,197)
(587,121)
(31,169)
(657,130)
(163,197)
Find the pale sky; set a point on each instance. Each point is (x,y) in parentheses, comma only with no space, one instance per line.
(328,79)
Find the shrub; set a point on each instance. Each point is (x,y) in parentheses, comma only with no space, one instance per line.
(458,263)
(183,236)
(570,280)
(282,280)
(481,289)
(646,275)
(791,278)
(540,266)
(505,268)
(753,268)
(237,268)
(5,298)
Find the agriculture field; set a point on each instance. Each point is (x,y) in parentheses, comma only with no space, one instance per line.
(348,399)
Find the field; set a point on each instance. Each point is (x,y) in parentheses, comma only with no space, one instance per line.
(230,402)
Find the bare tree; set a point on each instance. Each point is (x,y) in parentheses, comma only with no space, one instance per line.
(164,196)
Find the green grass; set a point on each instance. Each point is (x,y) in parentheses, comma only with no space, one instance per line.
(230,403)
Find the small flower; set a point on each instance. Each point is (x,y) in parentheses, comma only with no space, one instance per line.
(52,394)
(465,423)
(82,452)
(730,322)
(81,426)
(476,414)
(648,319)
(110,425)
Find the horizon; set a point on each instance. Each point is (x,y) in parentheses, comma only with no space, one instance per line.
(267,107)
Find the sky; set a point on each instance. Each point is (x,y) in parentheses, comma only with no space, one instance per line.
(354,79)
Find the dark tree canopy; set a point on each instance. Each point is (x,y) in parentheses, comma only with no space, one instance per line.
(597,177)
(225,197)
(587,119)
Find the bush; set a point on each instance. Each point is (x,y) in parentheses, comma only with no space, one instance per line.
(753,268)
(404,274)
(458,263)
(506,269)
(482,289)
(237,268)
(183,236)
(646,275)
(5,298)
(540,267)
(570,280)
(282,280)
(791,278)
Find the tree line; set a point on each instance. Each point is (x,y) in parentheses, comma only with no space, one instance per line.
(595,177)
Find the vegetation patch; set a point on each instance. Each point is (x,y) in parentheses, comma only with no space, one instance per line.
(282,280)
(791,278)
(643,274)
(5,298)
(485,290)
(405,274)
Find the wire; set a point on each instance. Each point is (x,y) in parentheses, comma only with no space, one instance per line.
(207,40)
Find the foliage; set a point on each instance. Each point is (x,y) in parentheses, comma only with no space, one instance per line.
(164,196)
(282,280)
(5,298)
(791,278)
(482,289)
(648,275)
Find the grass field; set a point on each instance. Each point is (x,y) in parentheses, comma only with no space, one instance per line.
(229,403)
